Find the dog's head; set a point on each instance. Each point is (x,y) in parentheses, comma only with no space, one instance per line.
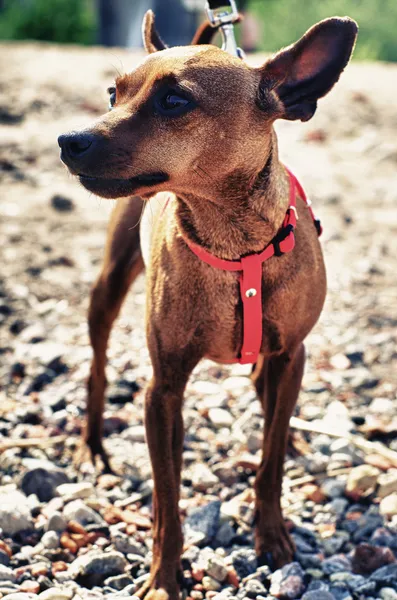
(188,118)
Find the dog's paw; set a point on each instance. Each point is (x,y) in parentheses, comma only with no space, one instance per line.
(151,593)
(273,545)
(97,457)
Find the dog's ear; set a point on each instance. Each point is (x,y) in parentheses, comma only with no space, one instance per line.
(151,39)
(305,71)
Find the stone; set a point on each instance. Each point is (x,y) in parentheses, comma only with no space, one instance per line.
(50,540)
(335,564)
(100,563)
(119,582)
(333,488)
(388,506)
(6,574)
(21,596)
(362,481)
(15,515)
(225,535)
(75,491)
(202,477)
(387,483)
(388,593)
(211,584)
(134,434)
(318,595)
(54,593)
(288,582)
(78,511)
(255,588)
(385,576)
(216,568)
(367,558)
(226,473)
(244,562)
(42,479)
(61,203)
(203,521)
(220,417)
(56,522)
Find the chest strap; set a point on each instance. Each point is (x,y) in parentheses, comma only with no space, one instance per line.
(251,271)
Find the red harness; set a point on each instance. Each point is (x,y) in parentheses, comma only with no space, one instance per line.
(251,276)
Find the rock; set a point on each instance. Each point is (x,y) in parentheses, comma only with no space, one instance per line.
(202,477)
(50,540)
(367,558)
(56,522)
(220,417)
(30,586)
(385,576)
(134,434)
(43,481)
(333,488)
(388,506)
(61,203)
(387,483)
(244,562)
(216,568)
(387,593)
(78,511)
(255,588)
(119,582)
(226,473)
(288,582)
(54,593)
(21,596)
(382,406)
(225,535)
(362,481)
(99,563)
(15,513)
(336,564)
(203,521)
(318,595)
(74,491)
(255,441)
(6,574)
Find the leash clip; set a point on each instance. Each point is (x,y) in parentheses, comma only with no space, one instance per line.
(223,17)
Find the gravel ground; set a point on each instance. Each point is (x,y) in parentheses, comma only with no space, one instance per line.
(73,533)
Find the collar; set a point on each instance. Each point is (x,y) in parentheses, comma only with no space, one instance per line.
(251,270)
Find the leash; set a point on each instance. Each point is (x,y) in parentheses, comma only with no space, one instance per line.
(251,271)
(222,14)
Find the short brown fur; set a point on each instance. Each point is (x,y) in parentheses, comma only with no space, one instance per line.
(217,164)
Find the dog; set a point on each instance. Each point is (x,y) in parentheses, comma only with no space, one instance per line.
(193,127)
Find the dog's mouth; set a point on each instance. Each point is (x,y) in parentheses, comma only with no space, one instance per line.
(117,188)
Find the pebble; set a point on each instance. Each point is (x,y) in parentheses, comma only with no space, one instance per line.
(220,417)
(288,582)
(202,477)
(216,568)
(101,563)
(203,521)
(56,522)
(388,506)
(43,481)
(15,515)
(56,594)
(362,481)
(387,483)
(78,511)
(388,593)
(244,562)
(50,540)
(75,491)
(61,203)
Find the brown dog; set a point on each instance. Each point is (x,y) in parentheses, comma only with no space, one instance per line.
(197,123)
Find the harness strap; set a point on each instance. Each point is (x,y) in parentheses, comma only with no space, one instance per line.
(251,268)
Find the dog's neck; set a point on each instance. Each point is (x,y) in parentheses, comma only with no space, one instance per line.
(248,217)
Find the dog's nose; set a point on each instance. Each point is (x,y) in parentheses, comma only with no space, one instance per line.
(75,145)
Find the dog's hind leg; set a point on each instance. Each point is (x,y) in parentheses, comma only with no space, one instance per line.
(277,381)
(122,264)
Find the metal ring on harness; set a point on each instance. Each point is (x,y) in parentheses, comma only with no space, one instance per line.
(222,14)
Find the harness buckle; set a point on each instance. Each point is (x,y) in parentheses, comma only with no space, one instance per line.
(280,237)
(223,17)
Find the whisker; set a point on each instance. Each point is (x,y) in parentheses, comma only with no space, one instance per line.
(140,218)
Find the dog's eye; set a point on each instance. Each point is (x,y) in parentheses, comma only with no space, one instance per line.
(112,97)
(172,104)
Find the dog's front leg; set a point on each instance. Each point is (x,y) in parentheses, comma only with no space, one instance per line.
(164,433)
(278,382)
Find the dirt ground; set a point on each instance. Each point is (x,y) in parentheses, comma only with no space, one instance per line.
(346,158)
